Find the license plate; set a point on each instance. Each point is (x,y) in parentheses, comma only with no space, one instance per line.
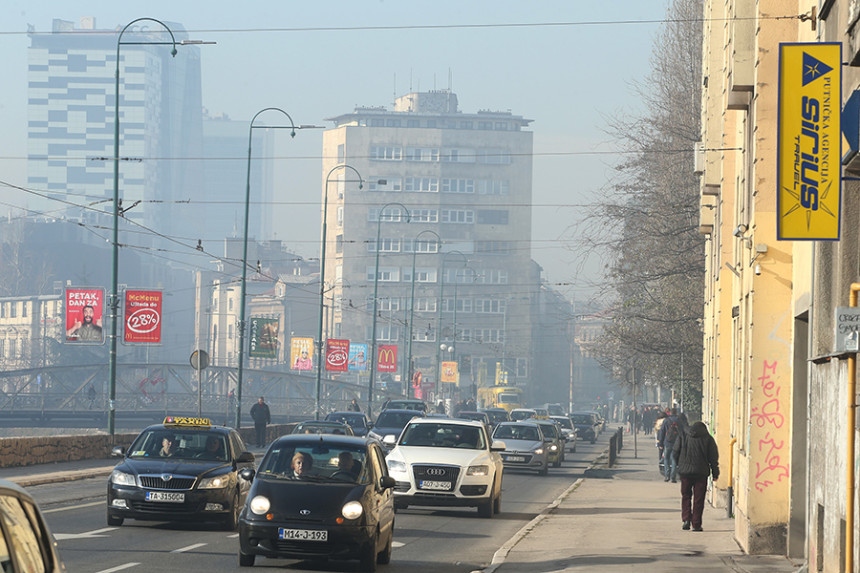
(515,459)
(165,496)
(303,534)
(440,485)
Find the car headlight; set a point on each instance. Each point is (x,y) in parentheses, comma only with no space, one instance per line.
(121,478)
(213,482)
(352,510)
(553,448)
(396,466)
(260,504)
(478,471)
(538,451)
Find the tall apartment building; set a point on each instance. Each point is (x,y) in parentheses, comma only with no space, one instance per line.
(71,107)
(430,170)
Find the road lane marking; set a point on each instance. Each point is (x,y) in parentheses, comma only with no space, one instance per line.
(86,535)
(233,536)
(189,548)
(74,507)
(119,568)
(397,544)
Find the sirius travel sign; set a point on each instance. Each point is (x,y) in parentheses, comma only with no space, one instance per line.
(809,141)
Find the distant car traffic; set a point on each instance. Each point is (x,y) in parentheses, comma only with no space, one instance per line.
(497,415)
(587,425)
(525,447)
(555,409)
(447,462)
(477,417)
(567,430)
(518,414)
(319,497)
(554,440)
(322,427)
(185,469)
(406,404)
(391,423)
(358,421)
(26,543)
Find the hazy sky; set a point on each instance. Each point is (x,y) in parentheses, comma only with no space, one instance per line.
(568,65)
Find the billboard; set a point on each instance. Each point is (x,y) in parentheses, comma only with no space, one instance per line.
(809,142)
(336,355)
(264,337)
(358,357)
(142,317)
(386,358)
(302,353)
(84,310)
(449,372)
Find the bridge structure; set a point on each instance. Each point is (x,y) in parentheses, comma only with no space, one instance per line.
(77,396)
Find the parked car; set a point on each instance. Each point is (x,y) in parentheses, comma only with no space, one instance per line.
(337,503)
(447,462)
(554,440)
(586,425)
(391,423)
(358,421)
(26,543)
(322,427)
(567,430)
(524,446)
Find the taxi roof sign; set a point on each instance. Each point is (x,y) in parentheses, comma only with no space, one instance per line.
(186,422)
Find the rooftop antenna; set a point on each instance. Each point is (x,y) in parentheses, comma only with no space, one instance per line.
(450,80)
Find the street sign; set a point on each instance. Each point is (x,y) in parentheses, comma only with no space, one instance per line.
(847,329)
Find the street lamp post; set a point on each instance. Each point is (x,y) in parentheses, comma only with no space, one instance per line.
(292,128)
(373,357)
(409,373)
(114,294)
(439,316)
(322,279)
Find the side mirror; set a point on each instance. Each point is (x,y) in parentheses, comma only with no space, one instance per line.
(390,440)
(117,452)
(387,482)
(245,458)
(247,474)
(369,424)
(497,446)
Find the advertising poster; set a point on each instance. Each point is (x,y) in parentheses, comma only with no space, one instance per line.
(84,309)
(264,337)
(386,358)
(809,143)
(302,353)
(142,317)
(358,357)
(449,372)
(336,355)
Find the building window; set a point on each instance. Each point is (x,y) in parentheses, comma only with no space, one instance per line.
(425,304)
(384,304)
(425,154)
(485,125)
(413,123)
(24,309)
(422,184)
(338,244)
(494,187)
(389,215)
(422,275)
(384,332)
(377,122)
(386,153)
(490,306)
(392,123)
(492,276)
(465,125)
(522,367)
(229,303)
(458,155)
(386,274)
(424,335)
(458,186)
(386,245)
(492,217)
(340,216)
(230,331)
(341,153)
(13,307)
(462,216)
(391,184)
(420,246)
(501,126)
(494,247)
(494,156)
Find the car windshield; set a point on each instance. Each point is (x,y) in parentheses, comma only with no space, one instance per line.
(388,419)
(407,405)
(581,419)
(517,432)
(550,430)
(522,414)
(442,435)
(317,428)
(509,398)
(181,444)
(563,421)
(315,462)
(471,416)
(497,416)
(356,421)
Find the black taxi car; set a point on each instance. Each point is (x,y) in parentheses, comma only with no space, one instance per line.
(318,497)
(184,469)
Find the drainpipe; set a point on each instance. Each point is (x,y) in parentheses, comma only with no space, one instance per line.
(849,481)
(730,491)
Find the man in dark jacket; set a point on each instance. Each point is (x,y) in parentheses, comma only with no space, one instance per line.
(261,416)
(668,435)
(697,455)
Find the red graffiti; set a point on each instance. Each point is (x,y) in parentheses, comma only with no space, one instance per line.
(769,415)
(772,462)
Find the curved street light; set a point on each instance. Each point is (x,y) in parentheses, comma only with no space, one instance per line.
(439,316)
(114,294)
(409,373)
(373,357)
(241,326)
(322,278)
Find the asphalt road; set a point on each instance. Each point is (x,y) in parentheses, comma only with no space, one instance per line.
(426,540)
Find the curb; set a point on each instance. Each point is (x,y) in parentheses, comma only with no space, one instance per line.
(60,478)
(501,554)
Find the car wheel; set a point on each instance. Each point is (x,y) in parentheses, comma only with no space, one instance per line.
(231,522)
(114,521)
(543,471)
(368,555)
(497,505)
(246,560)
(486,509)
(384,557)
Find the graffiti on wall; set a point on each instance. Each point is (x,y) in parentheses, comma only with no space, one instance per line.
(769,417)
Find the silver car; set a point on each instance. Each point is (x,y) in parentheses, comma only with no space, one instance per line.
(525,447)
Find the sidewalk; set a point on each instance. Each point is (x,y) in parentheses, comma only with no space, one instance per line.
(626,518)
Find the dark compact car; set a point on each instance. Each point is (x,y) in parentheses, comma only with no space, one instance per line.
(185,469)
(497,416)
(319,497)
(391,423)
(586,424)
(356,420)
(322,427)
(26,543)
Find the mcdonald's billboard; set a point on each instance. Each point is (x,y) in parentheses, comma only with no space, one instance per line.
(809,142)
(386,358)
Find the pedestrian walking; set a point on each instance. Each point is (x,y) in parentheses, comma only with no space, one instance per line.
(661,417)
(698,457)
(353,406)
(261,416)
(668,435)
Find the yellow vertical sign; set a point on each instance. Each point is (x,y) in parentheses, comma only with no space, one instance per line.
(450,372)
(809,141)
